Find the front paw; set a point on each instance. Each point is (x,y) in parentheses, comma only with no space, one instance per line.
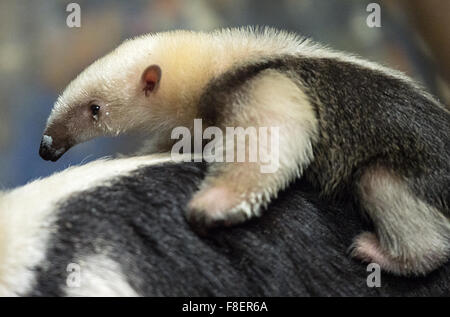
(220,206)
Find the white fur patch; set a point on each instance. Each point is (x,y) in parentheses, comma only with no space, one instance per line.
(47,141)
(100,276)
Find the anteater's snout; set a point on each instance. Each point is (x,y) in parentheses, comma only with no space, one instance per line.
(48,151)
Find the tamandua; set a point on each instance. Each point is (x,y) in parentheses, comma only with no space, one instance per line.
(345,124)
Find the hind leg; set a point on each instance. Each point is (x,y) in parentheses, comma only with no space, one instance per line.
(412,237)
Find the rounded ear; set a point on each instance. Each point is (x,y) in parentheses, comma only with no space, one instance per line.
(151,78)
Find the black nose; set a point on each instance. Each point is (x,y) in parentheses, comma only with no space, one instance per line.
(48,153)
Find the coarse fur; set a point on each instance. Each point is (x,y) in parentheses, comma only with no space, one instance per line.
(346,124)
(127,237)
(27,215)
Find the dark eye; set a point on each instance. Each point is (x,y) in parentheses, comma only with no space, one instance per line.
(95,109)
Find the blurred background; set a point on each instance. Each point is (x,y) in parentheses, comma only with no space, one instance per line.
(40,54)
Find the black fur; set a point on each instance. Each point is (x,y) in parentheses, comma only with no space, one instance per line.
(299,247)
(366,118)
